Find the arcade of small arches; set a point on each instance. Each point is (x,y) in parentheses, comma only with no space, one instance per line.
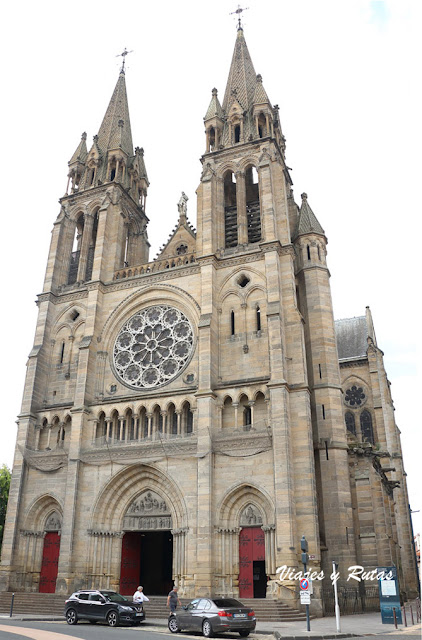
(144,424)
(243,412)
(52,435)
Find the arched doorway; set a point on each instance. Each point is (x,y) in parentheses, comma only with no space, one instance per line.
(252,572)
(50,554)
(147,546)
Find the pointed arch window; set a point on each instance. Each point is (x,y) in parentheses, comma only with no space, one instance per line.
(211,139)
(230,210)
(262,125)
(258,319)
(232,323)
(237,133)
(350,422)
(91,248)
(76,251)
(253,208)
(366,427)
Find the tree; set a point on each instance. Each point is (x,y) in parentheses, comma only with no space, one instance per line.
(4,496)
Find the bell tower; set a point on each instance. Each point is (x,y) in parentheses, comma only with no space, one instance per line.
(102,223)
(243,137)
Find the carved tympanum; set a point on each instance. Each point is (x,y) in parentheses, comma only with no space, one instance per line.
(250,516)
(147,512)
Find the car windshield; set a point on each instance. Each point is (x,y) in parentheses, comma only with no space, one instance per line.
(227,603)
(113,596)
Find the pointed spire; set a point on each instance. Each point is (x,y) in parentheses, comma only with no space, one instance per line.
(307,222)
(215,109)
(242,77)
(81,151)
(139,159)
(260,95)
(115,131)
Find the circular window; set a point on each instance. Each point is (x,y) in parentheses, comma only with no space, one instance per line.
(355,396)
(153,347)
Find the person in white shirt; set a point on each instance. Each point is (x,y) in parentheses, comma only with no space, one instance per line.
(139,596)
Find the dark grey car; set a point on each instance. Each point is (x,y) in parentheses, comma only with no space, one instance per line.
(102,606)
(213,615)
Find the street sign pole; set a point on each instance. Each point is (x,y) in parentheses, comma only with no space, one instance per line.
(304,548)
(337,608)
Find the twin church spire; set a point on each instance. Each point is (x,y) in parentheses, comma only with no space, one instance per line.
(111,157)
(245,116)
(246,113)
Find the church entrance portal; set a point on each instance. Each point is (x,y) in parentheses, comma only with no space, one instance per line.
(50,562)
(147,559)
(252,578)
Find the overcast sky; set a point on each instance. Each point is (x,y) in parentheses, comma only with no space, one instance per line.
(346,75)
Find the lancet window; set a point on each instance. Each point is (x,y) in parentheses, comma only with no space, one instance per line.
(253,209)
(350,422)
(366,427)
(230,210)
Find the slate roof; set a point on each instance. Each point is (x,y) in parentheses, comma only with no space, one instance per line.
(260,95)
(81,151)
(307,221)
(242,76)
(352,337)
(215,108)
(111,135)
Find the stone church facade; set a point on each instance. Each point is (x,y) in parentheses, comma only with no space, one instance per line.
(188,419)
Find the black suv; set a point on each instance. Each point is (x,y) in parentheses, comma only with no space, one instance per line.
(102,606)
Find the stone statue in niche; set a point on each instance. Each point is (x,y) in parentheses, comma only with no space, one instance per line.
(250,516)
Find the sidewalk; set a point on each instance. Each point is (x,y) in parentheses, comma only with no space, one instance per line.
(364,624)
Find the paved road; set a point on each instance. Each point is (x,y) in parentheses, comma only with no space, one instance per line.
(44,630)
(22,630)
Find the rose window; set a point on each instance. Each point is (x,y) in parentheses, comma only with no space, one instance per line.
(153,347)
(355,396)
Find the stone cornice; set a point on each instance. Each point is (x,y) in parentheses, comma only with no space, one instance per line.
(159,276)
(92,193)
(59,298)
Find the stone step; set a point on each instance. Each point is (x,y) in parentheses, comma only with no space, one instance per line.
(53,604)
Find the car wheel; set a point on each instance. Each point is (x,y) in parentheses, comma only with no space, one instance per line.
(71,616)
(112,619)
(207,629)
(244,633)
(173,624)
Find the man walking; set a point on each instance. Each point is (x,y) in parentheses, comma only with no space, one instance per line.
(173,600)
(139,596)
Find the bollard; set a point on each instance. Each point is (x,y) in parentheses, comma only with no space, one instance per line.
(411,614)
(395,617)
(11,605)
(404,615)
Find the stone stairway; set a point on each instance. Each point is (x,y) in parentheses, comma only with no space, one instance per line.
(53,605)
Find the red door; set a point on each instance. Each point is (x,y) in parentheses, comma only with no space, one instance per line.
(131,563)
(50,562)
(251,548)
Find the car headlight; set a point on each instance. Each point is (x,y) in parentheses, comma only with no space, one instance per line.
(123,608)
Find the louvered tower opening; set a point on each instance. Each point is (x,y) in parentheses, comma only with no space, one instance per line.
(230,211)
(72,273)
(253,209)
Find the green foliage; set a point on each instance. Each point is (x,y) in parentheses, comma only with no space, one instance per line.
(4,496)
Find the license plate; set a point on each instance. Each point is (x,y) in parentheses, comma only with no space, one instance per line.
(139,614)
(239,615)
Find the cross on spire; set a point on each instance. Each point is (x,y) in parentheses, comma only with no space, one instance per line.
(123,55)
(239,11)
